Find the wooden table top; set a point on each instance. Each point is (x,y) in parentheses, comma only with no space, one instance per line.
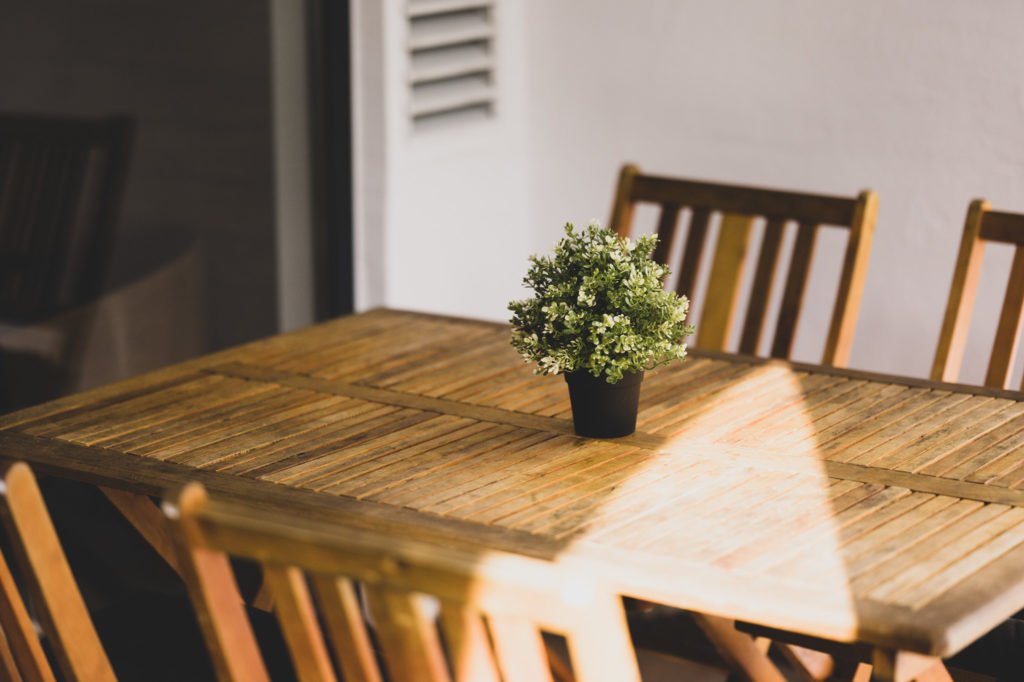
(828,502)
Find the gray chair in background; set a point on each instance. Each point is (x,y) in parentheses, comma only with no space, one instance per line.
(61,183)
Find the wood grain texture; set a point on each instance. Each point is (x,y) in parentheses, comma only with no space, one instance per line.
(808,498)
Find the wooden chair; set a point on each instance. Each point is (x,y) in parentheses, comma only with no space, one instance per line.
(740,207)
(51,587)
(61,182)
(983,225)
(492,607)
(999,652)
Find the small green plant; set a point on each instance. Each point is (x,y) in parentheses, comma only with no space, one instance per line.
(599,305)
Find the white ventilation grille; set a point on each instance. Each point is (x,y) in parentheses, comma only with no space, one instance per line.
(451,59)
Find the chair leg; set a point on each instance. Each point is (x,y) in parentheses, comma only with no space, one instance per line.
(937,673)
(901,666)
(859,672)
(8,667)
(145,516)
(560,669)
(747,658)
(810,665)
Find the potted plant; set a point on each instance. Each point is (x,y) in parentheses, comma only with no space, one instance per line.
(600,315)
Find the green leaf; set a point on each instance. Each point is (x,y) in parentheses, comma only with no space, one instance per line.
(599,305)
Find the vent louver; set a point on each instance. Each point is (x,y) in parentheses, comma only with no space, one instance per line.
(451,59)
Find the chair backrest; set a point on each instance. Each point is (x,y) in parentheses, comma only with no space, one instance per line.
(60,189)
(51,587)
(740,207)
(983,225)
(492,606)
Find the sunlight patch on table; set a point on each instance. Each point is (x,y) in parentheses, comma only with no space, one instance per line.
(742,515)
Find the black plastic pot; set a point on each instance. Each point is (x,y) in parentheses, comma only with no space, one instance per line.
(603,410)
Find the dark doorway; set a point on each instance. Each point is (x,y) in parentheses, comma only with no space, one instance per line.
(190,259)
(330,78)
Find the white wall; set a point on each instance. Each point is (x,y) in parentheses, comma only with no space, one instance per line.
(922,101)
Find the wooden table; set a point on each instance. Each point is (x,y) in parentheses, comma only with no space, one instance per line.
(834,503)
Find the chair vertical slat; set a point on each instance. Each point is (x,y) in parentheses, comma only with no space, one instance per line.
(31,222)
(346,628)
(20,636)
(408,636)
(956,322)
(64,186)
(147,519)
(55,236)
(215,598)
(28,183)
(469,647)
(297,617)
(62,612)
(7,156)
(599,644)
(8,666)
(1004,349)
(117,134)
(666,232)
(740,651)
(760,292)
(520,649)
(793,294)
(621,221)
(10,153)
(45,217)
(851,281)
(724,282)
(70,211)
(696,235)
(739,205)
